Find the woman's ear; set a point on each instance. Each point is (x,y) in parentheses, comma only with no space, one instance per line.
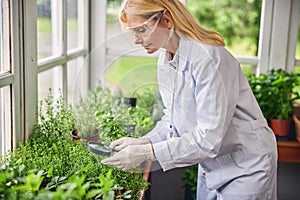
(167,20)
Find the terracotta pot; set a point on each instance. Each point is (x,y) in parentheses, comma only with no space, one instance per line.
(94,137)
(280,127)
(74,135)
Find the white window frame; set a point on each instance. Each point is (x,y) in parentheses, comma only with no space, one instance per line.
(62,55)
(24,65)
(278,35)
(6,80)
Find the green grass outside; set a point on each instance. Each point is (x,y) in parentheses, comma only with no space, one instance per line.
(242,47)
(110,18)
(44,25)
(298,49)
(131,74)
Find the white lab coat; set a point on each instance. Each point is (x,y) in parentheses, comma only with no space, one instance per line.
(217,123)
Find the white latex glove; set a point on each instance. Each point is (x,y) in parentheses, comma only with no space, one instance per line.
(130,157)
(127,141)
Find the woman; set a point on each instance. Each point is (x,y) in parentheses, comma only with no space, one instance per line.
(211,116)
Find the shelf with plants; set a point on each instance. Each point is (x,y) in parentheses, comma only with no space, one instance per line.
(51,165)
(276,95)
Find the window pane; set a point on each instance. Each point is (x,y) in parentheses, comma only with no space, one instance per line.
(72,24)
(5,120)
(77,80)
(132,74)
(50,79)
(298,41)
(240,30)
(112,23)
(49,28)
(4,36)
(248,69)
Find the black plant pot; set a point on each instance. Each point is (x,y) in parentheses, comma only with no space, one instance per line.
(131,128)
(130,101)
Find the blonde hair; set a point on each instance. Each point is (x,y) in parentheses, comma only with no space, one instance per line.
(184,22)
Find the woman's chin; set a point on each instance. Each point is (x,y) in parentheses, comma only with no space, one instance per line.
(151,50)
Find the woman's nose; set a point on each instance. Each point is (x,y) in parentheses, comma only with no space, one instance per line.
(138,40)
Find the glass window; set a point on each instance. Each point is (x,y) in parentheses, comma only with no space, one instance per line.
(132,74)
(5,119)
(298,41)
(51,30)
(248,69)
(76,25)
(127,74)
(72,23)
(240,30)
(5,91)
(77,80)
(45,33)
(50,79)
(112,23)
(4,36)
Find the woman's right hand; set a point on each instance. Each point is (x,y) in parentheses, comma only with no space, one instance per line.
(121,143)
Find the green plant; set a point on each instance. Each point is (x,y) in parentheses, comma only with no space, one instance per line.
(18,183)
(52,150)
(151,102)
(115,121)
(85,121)
(275,92)
(190,177)
(64,158)
(142,118)
(111,127)
(54,118)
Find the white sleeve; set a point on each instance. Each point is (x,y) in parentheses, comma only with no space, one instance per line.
(216,90)
(160,131)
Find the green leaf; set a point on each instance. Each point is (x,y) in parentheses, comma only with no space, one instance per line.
(92,193)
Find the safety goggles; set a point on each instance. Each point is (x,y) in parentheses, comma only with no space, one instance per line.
(143,29)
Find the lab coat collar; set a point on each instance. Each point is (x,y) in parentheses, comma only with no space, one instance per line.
(183,51)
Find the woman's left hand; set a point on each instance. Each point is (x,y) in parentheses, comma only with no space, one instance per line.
(130,157)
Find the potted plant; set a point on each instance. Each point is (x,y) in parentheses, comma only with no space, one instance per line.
(85,123)
(275,94)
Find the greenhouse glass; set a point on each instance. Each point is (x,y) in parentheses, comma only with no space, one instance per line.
(77,76)
(5,119)
(240,31)
(76,23)
(72,24)
(298,41)
(4,36)
(45,44)
(50,79)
